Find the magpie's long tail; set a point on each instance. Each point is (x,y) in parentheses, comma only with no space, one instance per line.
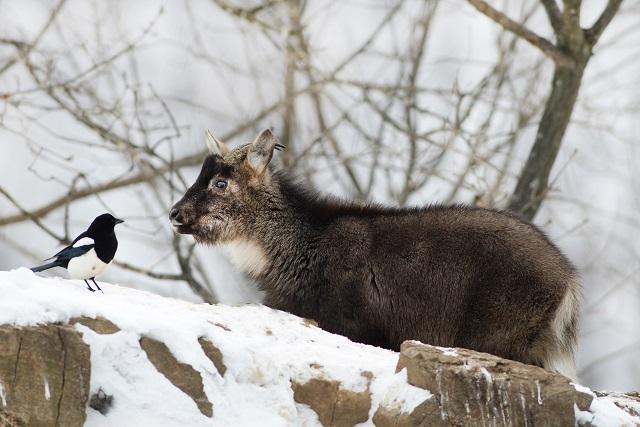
(46,266)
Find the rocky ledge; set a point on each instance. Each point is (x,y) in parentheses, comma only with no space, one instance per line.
(125,357)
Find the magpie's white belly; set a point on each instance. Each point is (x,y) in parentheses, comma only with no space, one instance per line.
(86,266)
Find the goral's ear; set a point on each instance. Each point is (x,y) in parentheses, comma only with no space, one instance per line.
(216,146)
(261,151)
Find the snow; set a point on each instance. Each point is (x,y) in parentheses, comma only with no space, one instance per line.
(264,350)
(47,391)
(3,396)
(120,368)
(583,389)
(397,393)
(603,412)
(486,374)
(448,351)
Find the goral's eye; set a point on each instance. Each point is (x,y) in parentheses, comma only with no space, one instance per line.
(221,184)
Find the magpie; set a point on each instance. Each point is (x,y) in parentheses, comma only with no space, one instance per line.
(89,253)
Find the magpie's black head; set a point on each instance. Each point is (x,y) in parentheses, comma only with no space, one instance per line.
(103,225)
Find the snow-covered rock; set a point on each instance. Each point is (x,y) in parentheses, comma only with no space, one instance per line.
(130,358)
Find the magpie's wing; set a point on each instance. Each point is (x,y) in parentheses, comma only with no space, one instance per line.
(80,246)
(81,236)
(72,252)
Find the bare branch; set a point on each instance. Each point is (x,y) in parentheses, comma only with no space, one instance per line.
(417,55)
(31,216)
(40,212)
(593,34)
(554,14)
(153,274)
(509,24)
(27,47)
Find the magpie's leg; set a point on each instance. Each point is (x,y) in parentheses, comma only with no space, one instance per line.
(93,279)
(89,286)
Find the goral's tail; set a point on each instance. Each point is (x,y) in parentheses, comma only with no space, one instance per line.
(561,357)
(46,266)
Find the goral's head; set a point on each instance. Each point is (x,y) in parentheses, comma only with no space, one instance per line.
(233,185)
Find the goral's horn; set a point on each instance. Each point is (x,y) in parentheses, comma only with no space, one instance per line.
(215,145)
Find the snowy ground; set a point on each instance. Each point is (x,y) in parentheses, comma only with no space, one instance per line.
(264,350)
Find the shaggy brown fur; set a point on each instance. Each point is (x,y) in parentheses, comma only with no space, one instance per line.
(449,276)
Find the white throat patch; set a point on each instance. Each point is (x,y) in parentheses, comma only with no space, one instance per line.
(246,255)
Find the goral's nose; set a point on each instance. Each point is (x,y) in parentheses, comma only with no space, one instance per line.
(174,216)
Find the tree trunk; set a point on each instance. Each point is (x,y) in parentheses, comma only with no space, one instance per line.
(570,54)
(533,183)
(289,111)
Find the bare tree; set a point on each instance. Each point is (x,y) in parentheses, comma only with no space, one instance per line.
(383,117)
(368,123)
(401,141)
(570,54)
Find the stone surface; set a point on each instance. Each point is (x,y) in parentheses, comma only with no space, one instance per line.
(334,405)
(100,324)
(45,375)
(181,375)
(471,387)
(44,372)
(214,354)
(8,419)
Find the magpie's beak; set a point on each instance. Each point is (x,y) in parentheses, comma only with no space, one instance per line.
(119,221)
